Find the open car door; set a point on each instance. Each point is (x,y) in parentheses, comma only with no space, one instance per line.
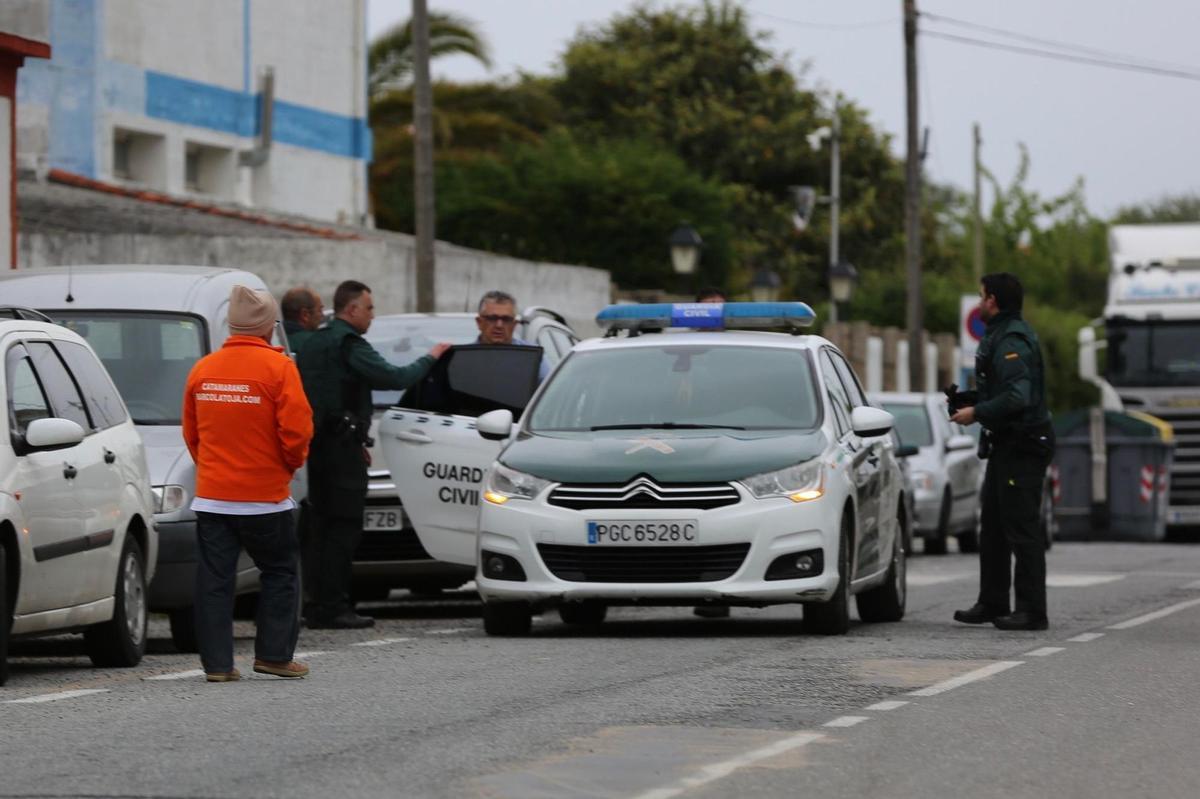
(436,457)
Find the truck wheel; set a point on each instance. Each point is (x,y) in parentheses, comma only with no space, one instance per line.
(183,629)
(5,616)
(886,602)
(588,613)
(121,641)
(833,617)
(507,618)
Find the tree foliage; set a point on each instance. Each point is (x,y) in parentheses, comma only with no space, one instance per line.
(390,56)
(1170,208)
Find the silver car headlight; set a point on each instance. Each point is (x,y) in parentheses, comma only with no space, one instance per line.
(169,498)
(503,484)
(803,482)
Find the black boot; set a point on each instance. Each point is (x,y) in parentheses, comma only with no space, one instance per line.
(346,620)
(1021,620)
(978,614)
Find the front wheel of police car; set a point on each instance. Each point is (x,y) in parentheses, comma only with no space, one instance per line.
(833,617)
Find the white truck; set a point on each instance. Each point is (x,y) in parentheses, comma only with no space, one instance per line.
(1151,331)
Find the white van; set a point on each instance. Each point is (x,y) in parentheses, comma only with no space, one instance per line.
(149,325)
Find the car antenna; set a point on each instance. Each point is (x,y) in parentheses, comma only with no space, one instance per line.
(70,275)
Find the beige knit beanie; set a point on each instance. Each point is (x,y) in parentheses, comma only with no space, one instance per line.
(251,312)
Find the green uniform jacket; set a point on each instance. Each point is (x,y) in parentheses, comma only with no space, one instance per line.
(296,335)
(1010,377)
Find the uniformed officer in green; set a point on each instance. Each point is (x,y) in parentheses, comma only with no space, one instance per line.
(1010,404)
(303,312)
(340,369)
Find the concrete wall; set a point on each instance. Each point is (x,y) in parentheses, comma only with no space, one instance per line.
(384,262)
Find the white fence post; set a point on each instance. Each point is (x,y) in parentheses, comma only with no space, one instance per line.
(902,384)
(874,364)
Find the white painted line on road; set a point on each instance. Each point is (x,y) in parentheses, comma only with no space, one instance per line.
(1083,638)
(37,700)
(1080,580)
(178,675)
(966,679)
(381,642)
(933,579)
(890,704)
(450,631)
(846,721)
(1044,651)
(1158,614)
(299,655)
(716,771)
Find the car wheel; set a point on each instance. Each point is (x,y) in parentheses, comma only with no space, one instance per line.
(936,544)
(121,641)
(833,617)
(507,618)
(588,613)
(183,629)
(887,602)
(5,616)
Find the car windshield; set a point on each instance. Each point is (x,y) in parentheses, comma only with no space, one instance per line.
(148,356)
(912,423)
(680,387)
(1153,354)
(401,340)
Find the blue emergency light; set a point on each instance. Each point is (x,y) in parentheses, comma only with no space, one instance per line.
(706,316)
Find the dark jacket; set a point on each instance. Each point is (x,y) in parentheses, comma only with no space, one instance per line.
(296,335)
(1010,377)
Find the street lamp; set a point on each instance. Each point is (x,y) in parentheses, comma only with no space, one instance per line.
(685,249)
(764,286)
(842,277)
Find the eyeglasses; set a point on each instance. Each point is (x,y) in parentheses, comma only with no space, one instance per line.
(497,319)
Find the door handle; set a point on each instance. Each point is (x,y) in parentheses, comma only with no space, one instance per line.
(414,437)
(109,455)
(69,471)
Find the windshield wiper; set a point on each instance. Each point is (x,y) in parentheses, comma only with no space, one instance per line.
(666,426)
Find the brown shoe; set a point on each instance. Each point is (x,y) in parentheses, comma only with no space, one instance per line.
(223,676)
(292,670)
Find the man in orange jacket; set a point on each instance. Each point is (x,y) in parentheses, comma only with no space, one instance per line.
(248,425)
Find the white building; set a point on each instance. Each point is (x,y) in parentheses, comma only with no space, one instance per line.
(167,95)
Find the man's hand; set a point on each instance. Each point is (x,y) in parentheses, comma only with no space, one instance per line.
(964,416)
(439,348)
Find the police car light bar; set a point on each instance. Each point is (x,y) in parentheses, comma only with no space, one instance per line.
(706,316)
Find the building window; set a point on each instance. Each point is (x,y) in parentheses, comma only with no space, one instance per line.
(209,170)
(139,158)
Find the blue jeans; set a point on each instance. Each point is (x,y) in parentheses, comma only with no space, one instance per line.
(270,540)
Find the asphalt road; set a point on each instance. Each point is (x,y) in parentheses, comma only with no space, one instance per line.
(656,703)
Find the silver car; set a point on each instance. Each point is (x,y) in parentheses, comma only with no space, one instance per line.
(946,472)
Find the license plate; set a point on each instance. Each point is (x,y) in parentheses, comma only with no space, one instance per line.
(383,518)
(1179,515)
(666,532)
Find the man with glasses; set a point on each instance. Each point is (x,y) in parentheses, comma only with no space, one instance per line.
(497,320)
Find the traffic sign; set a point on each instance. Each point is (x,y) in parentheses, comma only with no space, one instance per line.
(970,330)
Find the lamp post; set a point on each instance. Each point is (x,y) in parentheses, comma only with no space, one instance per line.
(764,286)
(685,245)
(842,277)
(833,132)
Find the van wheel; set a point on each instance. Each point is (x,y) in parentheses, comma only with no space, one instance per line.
(183,629)
(833,617)
(507,618)
(588,613)
(5,616)
(121,641)
(886,602)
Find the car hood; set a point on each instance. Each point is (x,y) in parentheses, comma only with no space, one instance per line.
(687,456)
(166,453)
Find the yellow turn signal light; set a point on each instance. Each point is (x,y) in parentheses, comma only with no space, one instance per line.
(807,496)
(494,498)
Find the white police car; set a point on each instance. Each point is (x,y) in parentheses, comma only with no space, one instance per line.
(726,465)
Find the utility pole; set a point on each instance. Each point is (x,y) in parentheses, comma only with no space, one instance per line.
(915,317)
(976,211)
(835,196)
(423,157)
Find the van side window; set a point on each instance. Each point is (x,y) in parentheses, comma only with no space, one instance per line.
(60,386)
(26,400)
(98,390)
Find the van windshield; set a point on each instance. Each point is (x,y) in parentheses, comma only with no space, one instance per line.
(148,356)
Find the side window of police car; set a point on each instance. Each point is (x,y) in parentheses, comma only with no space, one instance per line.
(26,400)
(853,390)
(837,394)
(60,386)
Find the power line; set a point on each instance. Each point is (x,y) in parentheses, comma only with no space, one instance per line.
(1078,59)
(829,26)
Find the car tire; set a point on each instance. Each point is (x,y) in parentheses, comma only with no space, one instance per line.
(507,619)
(183,629)
(833,617)
(5,615)
(936,544)
(887,602)
(588,613)
(121,641)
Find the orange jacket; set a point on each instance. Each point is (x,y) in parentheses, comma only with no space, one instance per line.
(246,422)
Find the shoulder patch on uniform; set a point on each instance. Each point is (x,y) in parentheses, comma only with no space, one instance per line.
(1008,356)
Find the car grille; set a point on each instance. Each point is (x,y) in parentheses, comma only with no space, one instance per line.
(643,564)
(379,545)
(643,492)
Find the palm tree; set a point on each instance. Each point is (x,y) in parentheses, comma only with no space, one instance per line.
(390,58)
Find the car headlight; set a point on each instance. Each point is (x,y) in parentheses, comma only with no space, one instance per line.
(168,498)
(923,481)
(800,483)
(503,484)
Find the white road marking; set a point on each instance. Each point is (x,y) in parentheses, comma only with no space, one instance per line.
(890,704)
(934,579)
(1083,638)
(36,700)
(381,642)
(450,631)
(1158,614)
(299,655)
(716,771)
(1080,580)
(965,679)
(178,675)
(1044,651)
(847,721)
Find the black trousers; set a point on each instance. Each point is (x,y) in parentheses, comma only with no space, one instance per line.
(337,496)
(1011,528)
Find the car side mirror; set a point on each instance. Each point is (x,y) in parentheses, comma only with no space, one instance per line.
(53,433)
(869,422)
(907,450)
(495,425)
(956,443)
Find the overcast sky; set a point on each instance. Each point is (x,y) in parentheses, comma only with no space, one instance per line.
(1133,137)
